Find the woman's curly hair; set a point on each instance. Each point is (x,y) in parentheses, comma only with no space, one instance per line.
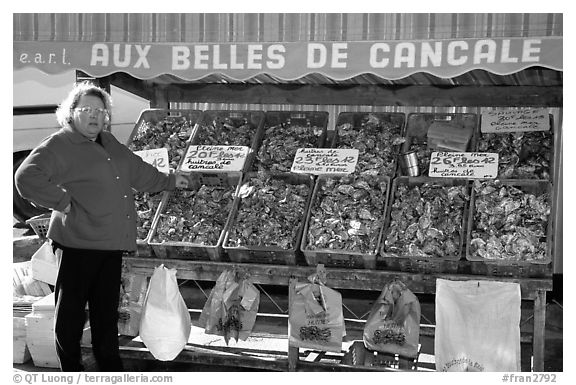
(64,110)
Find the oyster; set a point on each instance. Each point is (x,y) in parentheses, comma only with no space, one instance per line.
(339,221)
(195,216)
(377,141)
(280,143)
(171,132)
(509,223)
(270,213)
(522,155)
(426,221)
(226,131)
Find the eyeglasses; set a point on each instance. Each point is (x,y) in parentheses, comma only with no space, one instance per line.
(89,110)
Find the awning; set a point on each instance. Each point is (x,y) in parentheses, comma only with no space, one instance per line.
(296,48)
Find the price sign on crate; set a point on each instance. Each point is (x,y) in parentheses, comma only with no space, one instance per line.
(528,119)
(214,158)
(157,157)
(471,165)
(319,161)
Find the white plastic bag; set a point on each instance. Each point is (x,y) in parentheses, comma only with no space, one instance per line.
(477,326)
(165,323)
(132,294)
(45,264)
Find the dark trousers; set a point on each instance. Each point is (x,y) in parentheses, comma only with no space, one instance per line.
(93,277)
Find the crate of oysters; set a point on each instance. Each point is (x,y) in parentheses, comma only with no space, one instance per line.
(146,207)
(268,219)
(426,219)
(225,141)
(524,141)
(190,223)
(510,222)
(430,132)
(345,222)
(284,133)
(376,135)
(157,129)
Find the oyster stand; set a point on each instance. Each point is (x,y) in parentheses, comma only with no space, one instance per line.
(258,75)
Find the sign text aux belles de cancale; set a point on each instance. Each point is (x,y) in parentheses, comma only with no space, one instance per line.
(319,55)
(287,59)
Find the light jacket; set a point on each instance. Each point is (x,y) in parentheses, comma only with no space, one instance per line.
(97,181)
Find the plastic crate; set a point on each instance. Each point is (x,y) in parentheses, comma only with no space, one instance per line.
(357,120)
(419,265)
(239,117)
(269,254)
(429,263)
(40,224)
(417,129)
(188,250)
(155,116)
(313,121)
(527,186)
(524,154)
(142,247)
(342,258)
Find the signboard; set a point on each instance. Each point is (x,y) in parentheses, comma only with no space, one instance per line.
(390,59)
(469,165)
(320,161)
(157,157)
(214,158)
(528,119)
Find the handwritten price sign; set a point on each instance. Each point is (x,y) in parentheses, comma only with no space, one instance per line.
(214,158)
(529,119)
(471,165)
(319,161)
(157,157)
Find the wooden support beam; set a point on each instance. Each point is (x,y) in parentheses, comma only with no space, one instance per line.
(482,96)
(293,351)
(354,279)
(539,330)
(141,88)
(359,94)
(160,97)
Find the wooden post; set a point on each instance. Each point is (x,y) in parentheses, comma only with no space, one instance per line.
(321,273)
(160,98)
(292,350)
(539,330)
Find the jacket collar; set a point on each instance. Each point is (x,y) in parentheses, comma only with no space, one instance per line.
(77,138)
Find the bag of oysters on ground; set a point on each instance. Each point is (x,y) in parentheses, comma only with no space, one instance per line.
(393,325)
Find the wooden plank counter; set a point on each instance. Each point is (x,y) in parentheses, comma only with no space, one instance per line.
(353,279)
(532,289)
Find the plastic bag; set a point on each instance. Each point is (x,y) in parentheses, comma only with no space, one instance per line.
(477,326)
(315,318)
(132,294)
(45,263)
(165,324)
(393,325)
(231,308)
